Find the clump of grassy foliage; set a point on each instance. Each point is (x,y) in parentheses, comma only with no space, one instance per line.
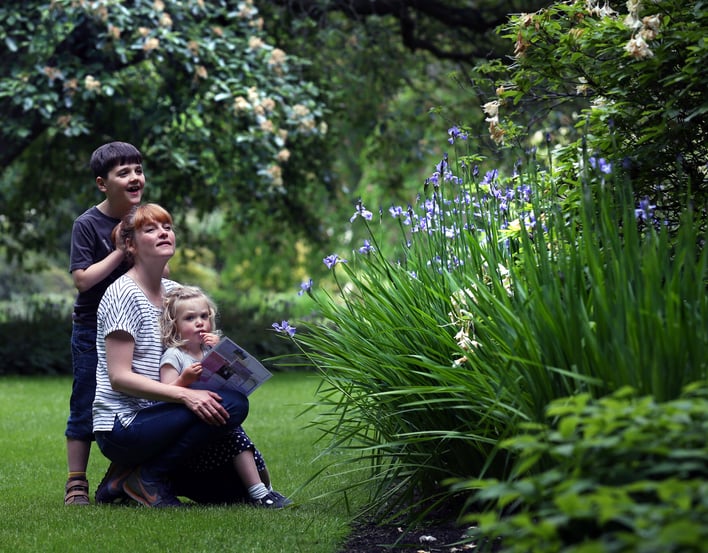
(506,293)
(514,289)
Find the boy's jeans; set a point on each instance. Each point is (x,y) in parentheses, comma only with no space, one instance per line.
(84,361)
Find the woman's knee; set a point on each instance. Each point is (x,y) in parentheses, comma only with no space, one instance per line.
(236,404)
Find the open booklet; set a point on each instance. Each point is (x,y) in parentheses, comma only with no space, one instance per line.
(228,365)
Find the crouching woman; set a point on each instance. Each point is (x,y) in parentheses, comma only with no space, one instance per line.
(148,429)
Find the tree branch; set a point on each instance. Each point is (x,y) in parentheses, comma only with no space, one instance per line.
(423,23)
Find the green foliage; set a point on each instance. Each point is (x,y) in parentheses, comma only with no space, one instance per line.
(620,474)
(640,70)
(505,294)
(35,335)
(217,110)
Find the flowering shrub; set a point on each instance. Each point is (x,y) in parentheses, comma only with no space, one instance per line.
(637,67)
(219,112)
(505,293)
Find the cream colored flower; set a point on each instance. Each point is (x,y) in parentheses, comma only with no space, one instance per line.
(633,6)
(267,126)
(268,104)
(241,104)
(101,12)
(253,95)
(301,111)
(521,46)
(652,22)
(51,72)
(638,48)
(594,8)
(71,85)
(114,31)
(165,20)
(275,172)
(582,88)
(246,10)
(143,31)
(255,43)
(462,317)
(64,121)
(526,19)
(650,27)
(306,125)
(90,83)
(632,20)
(158,5)
(277,57)
(495,131)
(283,155)
(151,43)
(201,72)
(647,34)
(491,109)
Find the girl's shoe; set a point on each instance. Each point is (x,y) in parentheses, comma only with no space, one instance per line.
(273,500)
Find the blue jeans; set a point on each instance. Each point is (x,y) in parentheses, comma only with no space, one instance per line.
(84,360)
(163,437)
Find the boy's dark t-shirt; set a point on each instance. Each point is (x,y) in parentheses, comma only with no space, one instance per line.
(90,243)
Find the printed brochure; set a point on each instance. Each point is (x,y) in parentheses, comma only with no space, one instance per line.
(228,365)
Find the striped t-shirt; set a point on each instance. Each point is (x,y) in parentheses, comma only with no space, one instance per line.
(125,307)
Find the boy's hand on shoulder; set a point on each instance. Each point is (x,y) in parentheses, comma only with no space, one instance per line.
(118,241)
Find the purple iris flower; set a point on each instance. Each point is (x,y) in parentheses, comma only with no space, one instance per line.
(645,211)
(284,328)
(332,260)
(361,211)
(305,287)
(366,248)
(601,164)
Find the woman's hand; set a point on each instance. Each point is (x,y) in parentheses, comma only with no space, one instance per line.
(206,405)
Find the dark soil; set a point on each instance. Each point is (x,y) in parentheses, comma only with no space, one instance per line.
(440,537)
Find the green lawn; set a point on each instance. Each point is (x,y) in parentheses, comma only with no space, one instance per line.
(33,471)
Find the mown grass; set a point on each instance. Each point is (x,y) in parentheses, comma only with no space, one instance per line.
(33,471)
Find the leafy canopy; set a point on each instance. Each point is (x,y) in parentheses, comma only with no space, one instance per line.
(638,68)
(215,108)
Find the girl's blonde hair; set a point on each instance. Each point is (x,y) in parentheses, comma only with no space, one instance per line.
(171,304)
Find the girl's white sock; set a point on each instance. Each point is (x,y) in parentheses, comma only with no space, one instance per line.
(258,491)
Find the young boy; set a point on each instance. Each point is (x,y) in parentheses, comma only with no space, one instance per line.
(95,262)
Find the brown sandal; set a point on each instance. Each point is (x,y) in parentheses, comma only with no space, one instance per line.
(77,492)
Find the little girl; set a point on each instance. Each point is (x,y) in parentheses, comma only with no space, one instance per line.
(187,324)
